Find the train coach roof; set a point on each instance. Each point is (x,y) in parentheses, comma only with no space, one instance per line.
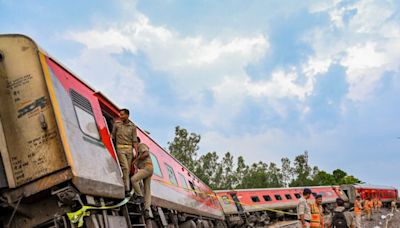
(273,189)
(370,186)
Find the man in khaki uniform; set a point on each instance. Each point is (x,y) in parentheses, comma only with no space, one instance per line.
(393,206)
(368,205)
(125,139)
(357,212)
(303,209)
(145,171)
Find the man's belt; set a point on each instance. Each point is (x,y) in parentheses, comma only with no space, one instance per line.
(124,146)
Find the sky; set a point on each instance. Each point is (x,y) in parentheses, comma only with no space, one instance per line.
(260,79)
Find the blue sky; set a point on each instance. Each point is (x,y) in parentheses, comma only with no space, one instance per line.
(261,79)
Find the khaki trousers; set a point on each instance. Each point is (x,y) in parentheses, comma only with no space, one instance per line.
(125,157)
(369,213)
(358,220)
(145,175)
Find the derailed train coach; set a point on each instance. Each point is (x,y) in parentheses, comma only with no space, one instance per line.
(265,205)
(386,194)
(57,155)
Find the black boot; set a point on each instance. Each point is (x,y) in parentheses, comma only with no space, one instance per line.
(138,200)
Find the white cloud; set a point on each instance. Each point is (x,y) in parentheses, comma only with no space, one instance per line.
(194,65)
(364,68)
(281,85)
(110,39)
(361,38)
(120,82)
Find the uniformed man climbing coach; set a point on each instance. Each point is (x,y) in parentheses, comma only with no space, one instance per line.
(125,140)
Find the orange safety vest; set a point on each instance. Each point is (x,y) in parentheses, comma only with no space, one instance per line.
(367,205)
(315,216)
(357,207)
(322,216)
(379,204)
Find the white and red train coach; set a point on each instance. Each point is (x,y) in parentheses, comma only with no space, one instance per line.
(56,152)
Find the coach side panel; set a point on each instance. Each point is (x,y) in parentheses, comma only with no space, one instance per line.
(30,143)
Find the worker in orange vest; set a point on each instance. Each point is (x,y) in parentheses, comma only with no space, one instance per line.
(368,208)
(357,211)
(318,200)
(315,209)
(375,203)
(379,205)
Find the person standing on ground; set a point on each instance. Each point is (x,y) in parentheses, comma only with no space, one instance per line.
(317,215)
(303,209)
(341,218)
(145,171)
(357,212)
(379,205)
(124,137)
(368,208)
(375,203)
(393,206)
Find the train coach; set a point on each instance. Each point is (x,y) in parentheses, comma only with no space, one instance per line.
(265,205)
(386,194)
(57,155)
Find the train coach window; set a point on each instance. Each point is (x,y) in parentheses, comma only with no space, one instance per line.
(183,180)
(171,175)
(84,114)
(288,196)
(193,188)
(267,198)
(255,199)
(298,196)
(156,165)
(278,197)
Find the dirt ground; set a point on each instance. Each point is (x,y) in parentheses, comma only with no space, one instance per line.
(385,219)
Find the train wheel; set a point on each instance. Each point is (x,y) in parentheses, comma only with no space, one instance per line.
(188,224)
(202,224)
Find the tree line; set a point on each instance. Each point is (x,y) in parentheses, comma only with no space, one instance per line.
(230,173)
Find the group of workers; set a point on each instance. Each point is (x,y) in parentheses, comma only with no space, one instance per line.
(136,167)
(312,214)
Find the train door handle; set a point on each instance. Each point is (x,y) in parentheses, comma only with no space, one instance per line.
(42,121)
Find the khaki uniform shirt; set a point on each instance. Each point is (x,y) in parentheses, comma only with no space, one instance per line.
(145,162)
(124,133)
(303,208)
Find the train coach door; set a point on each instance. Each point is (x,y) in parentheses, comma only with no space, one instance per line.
(109,114)
(237,202)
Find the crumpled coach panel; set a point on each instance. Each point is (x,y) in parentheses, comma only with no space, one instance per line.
(95,172)
(31,147)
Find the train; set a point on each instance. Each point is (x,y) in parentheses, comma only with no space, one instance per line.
(58,164)
(57,154)
(261,206)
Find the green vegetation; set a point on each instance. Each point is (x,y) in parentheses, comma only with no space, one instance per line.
(231,173)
